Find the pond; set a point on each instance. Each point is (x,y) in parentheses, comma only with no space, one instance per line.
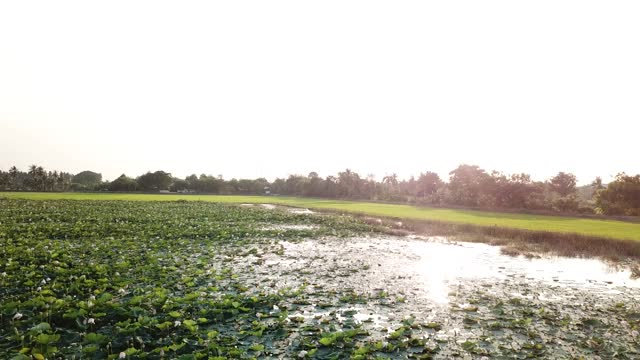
(473,296)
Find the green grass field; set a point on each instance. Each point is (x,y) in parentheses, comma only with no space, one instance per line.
(593,227)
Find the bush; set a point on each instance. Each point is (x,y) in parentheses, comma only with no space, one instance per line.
(565,204)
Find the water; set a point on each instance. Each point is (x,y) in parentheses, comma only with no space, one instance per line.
(469,290)
(290,227)
(434,267)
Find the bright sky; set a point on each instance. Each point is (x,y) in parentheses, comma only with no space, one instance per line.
(270,88)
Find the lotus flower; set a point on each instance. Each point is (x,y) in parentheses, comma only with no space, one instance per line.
(91,321)
(17,316)
(122,355)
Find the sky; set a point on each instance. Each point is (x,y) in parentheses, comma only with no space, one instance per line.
(252,89)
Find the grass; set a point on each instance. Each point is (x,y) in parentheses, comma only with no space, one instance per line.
(529,243)
(611,229)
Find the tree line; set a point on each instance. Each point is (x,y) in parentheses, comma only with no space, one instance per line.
(467,186)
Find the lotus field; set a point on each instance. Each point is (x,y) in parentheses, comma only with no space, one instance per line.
(200,280)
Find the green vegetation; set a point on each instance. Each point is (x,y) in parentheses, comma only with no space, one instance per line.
(94,280)
(622,196)
(201,280)
(591,227)
(468,186)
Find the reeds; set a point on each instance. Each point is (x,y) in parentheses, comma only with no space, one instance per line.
(518,241)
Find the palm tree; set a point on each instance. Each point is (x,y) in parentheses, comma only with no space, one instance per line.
(42,177)
(60,181)
(37,177)
(597,183)
(33,176)
(391,183)
(391,180)
(13,172)
(54,180)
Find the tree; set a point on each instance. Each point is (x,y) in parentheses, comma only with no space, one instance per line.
(428,184)
(567,203)
(390,180)
(513,191)
(563,184)
(209,184)
(314,186)
(158,180)
(5,180)
(87,178)
(390,188)
(42,178)
(466,184)
(295,185)
(278,186)
(50,180)
(349,184)
(123,183)
(37,178)
(179,185)
(13,174)
(597,184)
(621,196)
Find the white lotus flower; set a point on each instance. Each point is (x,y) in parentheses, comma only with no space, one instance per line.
(177,323)
(17,316)
(39,288)
(43,282)
(92,297)
(122,355)
(302,354)
(121,291)
(4,274)
(91,321)
(635,333)
(275,308)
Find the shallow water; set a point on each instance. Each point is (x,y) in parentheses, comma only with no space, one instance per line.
(382,281)
(301,211)
(290,227)
(437,266)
